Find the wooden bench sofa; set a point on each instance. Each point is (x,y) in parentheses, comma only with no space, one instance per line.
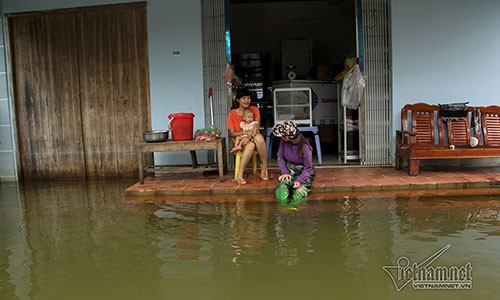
(425,135)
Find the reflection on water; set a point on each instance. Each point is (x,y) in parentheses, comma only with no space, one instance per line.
(74,240)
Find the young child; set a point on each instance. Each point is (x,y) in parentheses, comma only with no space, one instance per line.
(247,125)
(295,164)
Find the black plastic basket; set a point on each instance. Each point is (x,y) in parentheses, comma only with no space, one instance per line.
(453,110)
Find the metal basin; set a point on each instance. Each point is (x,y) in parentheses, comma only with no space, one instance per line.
(155,136)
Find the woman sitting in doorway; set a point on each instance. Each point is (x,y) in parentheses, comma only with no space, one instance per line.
(257,142)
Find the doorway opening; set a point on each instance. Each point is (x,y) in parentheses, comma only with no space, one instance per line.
(297,44)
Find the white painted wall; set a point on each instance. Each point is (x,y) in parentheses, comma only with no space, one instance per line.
(445,51)
(7,151)
(176,82)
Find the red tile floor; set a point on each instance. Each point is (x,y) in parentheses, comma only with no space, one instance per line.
(330,183)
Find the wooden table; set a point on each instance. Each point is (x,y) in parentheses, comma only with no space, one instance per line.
(219,145)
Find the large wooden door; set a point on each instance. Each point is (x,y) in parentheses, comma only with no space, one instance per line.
(46,91)
(115,88)
(81,90)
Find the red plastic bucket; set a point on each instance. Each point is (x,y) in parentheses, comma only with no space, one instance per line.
(181,126)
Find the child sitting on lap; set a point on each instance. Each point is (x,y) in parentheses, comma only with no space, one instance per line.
(247,125)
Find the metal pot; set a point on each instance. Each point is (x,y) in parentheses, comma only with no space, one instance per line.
(155,136)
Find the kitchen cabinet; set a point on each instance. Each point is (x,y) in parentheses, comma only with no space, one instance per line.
(294,104)
(324,98)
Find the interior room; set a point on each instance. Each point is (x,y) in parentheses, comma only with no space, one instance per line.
(281,49)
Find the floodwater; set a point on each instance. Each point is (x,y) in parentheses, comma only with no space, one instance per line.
(78,240)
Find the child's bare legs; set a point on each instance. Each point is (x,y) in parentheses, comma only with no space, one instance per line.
(244,141)
(238,143)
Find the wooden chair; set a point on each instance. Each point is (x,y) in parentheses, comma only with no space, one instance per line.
(422,122)
(459,129)
(417,129)
(418,143)
(490,121)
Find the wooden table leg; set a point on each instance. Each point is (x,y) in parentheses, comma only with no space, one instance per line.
(194,160)
(224,156)
(219,146)
(141,167)
(220,160)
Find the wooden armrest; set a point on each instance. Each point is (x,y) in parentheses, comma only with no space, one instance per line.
(406,132)
(404,137)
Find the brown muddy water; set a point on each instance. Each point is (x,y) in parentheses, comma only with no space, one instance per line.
(78,240)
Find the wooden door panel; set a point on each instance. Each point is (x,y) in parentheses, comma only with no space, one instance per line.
(81,90)
(46,92)
(115,88)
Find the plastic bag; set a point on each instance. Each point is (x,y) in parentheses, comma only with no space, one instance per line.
(352,88)
(229,74)
(208,134)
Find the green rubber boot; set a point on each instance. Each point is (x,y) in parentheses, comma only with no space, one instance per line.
(281,194)
(297,199)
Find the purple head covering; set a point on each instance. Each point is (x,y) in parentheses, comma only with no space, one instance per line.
(286,129)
